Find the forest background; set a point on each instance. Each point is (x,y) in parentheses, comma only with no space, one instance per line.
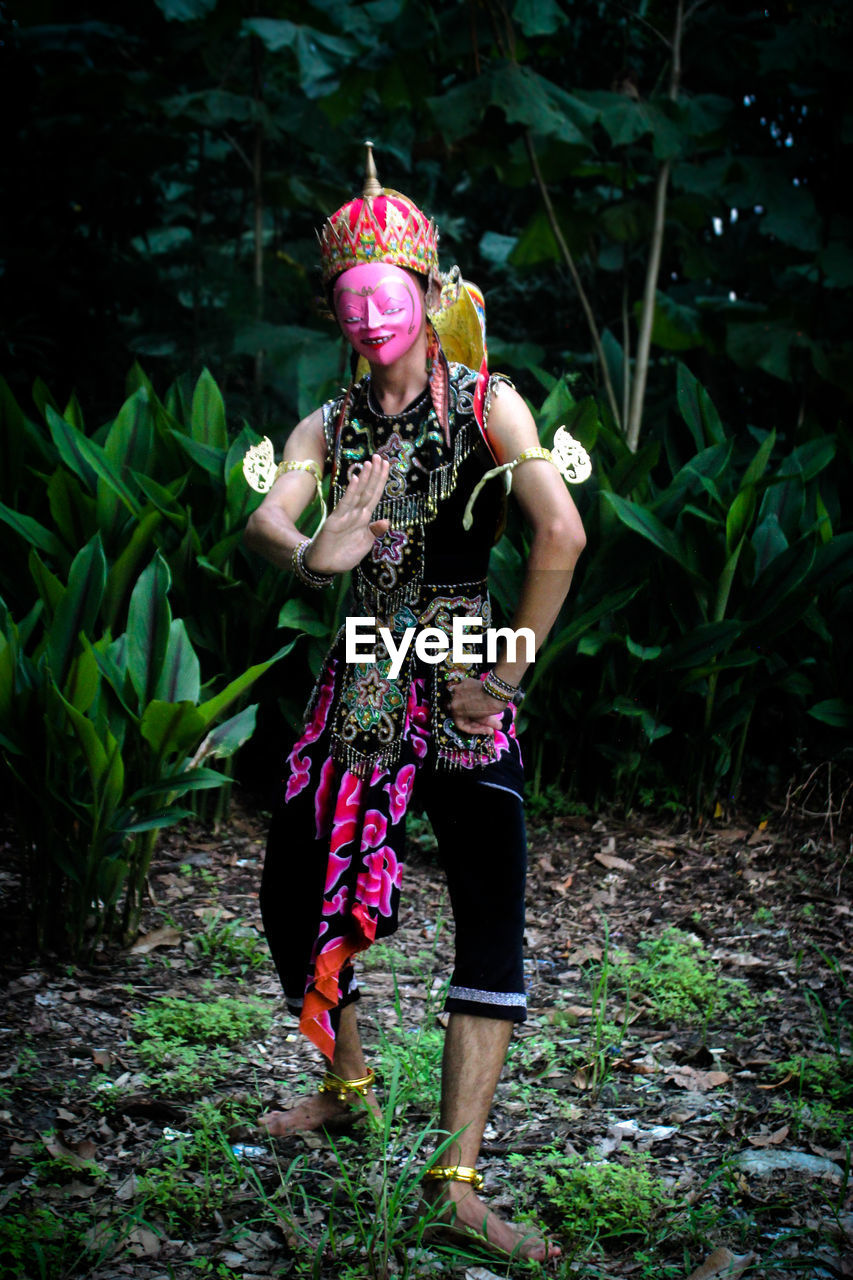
(647,194)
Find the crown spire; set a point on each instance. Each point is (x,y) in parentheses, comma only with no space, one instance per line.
(372,186)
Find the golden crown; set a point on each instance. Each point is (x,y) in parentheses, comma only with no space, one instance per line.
(380,225)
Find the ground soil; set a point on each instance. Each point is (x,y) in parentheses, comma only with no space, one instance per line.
(768,896)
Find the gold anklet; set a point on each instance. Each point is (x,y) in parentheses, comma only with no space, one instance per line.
(343,1090)
(455,1173)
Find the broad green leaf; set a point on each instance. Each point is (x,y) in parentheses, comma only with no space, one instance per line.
(172,728)
(74,512)
(762,342)
(158,820)
(207,416)
(83,681)
(643,522)
(112,664)
(149,620)
(214,707)
(833,564)
(632,470)
(103,761)
(768,541)
(88,460)
(130,439)
(674,327)
(697,410)
(13,442)
(7,681)
(185,10)
(701,644)
(180,679)
(758,466)
(34,533)
(164,498)
(739,518)
(538,17)
(179,783)
(227,737)
(779,581)
(126,565)
(833,711)
(78,609)
(810,459)
(49,587)
(646,653)
(554,648)
(71,446)
(205,456)
(297,615)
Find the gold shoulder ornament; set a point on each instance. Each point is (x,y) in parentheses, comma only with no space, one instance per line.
(567,455)
(261,472)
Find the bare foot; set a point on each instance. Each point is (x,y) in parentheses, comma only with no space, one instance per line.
(316,1111)
(469,1220)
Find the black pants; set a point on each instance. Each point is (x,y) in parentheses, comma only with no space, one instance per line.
(478,819)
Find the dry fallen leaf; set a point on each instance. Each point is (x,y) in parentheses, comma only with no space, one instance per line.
(78,1154)
(701,1081)
(143,1242)
(722,1262)
(613,863)
(769,1139)
(168,936)
(582,954)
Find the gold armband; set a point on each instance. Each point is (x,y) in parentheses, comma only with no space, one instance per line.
(570,458)
(261,472)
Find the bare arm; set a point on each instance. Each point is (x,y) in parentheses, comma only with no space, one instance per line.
(349,532)
(558,540)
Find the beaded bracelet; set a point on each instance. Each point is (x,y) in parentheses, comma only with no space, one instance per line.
(497,688)
(306,575)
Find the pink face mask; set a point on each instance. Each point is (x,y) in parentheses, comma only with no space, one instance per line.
(379,308)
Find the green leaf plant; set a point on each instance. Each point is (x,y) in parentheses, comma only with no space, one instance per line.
(107,729)
(703,604)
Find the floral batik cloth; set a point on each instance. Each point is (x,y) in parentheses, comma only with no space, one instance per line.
(360,822)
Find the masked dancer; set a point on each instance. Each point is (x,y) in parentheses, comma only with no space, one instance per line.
(419,452)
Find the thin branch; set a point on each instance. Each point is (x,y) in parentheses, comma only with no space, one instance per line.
(647,315)
(240,152)
(644,337)
(626,340)
(570,263)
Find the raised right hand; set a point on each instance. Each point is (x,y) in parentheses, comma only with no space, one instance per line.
(350,532)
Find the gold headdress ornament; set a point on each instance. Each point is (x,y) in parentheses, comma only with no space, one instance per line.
(380,225)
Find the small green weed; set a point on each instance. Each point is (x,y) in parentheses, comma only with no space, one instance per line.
(227,1019)
(40,1241)
(680,981)
(185,1070)
(419,832)
(553,802)
(812,1118)
(194,1176)
(599,1200)
(824,1075)
(26,1067)
(183,1042)
(232,947)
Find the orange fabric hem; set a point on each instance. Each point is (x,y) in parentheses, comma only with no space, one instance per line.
(324,994)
